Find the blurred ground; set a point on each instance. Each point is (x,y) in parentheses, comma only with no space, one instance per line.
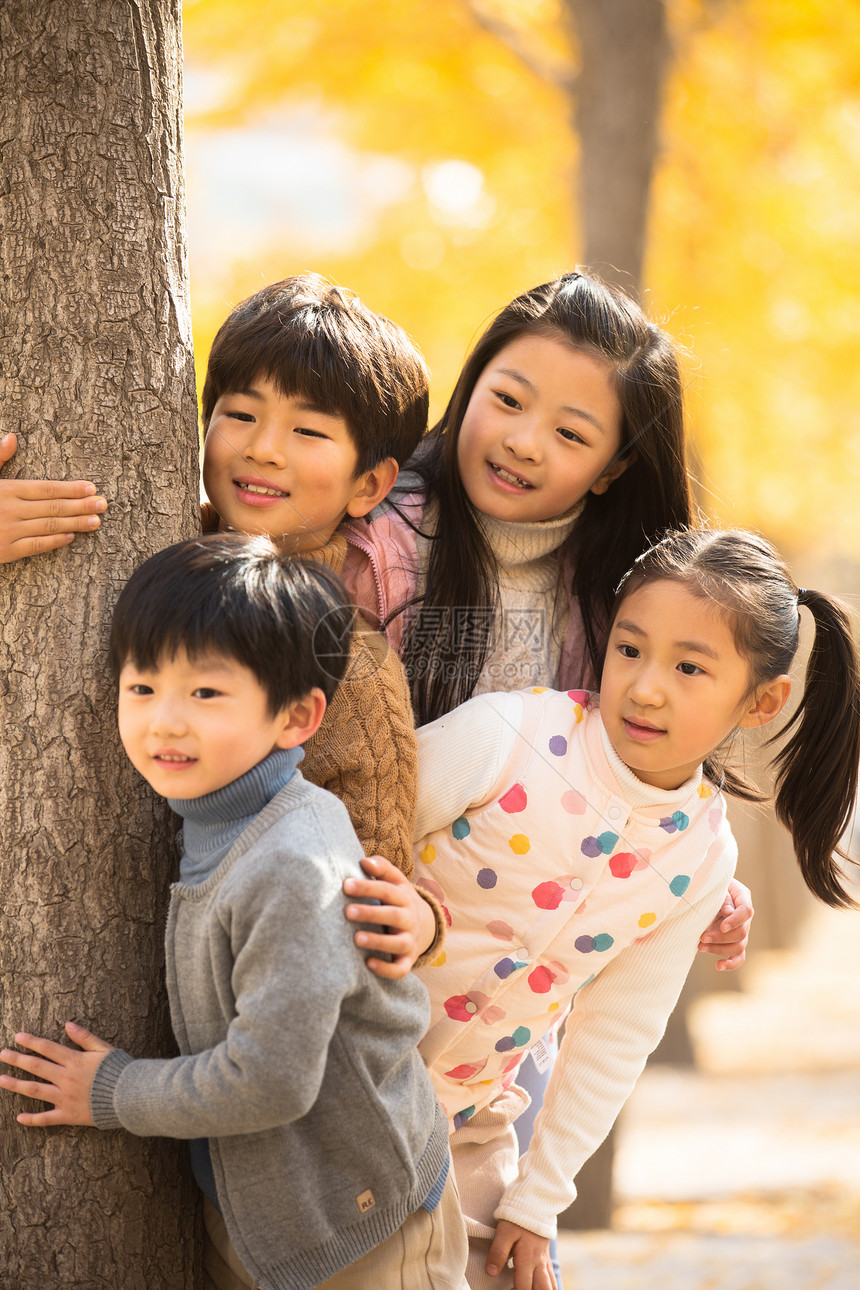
(744,1173)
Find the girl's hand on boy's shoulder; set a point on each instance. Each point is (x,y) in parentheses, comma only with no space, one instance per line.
(38,515)
(530,1253)
(407,923)
(728,934)
(64,1076)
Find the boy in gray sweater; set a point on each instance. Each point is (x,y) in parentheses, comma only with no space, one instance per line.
(316,1136)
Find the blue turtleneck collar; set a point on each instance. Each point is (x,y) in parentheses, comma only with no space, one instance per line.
(212,823)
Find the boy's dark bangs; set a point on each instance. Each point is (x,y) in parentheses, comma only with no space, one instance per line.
(308,370)
(309,367)
(162,628)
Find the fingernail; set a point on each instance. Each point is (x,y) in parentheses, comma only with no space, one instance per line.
(93,521)
(349,884)
(361,938)
(101,504)
(89,490)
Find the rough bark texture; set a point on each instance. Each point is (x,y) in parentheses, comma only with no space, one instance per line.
(624,51)
(97,381)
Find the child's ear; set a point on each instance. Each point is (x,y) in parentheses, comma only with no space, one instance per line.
(301,719)
(767,703)
(611,473)
(372,487)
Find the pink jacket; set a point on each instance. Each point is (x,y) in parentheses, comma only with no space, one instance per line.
(381,572)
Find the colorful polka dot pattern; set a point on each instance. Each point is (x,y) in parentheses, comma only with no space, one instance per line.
(601,943)
(573,802)
(607,861)
(466,1071)
(518,1039)
(623,863)
(548,895)
(600,846)
(501,930)
(581,700)
(541,979)
(506,967)
(463,1007)
(515,800)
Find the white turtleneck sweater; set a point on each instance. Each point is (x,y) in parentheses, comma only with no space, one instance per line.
(531,623)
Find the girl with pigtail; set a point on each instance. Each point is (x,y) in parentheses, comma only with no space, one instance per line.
(817,767)
(579,861)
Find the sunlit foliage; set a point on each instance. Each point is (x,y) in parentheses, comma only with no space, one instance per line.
(421,151)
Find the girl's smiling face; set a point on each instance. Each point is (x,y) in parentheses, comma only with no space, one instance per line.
(674,685)
(540,431)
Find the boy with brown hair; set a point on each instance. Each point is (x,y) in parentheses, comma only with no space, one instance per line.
(311,404)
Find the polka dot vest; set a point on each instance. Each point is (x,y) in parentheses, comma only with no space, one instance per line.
(546,885)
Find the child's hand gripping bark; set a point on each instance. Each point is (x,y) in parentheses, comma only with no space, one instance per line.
(63,1076)
(38,515)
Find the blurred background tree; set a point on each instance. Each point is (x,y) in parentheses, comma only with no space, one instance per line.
(428,155)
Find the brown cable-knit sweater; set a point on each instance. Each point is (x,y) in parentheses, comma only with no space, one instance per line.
(365,750)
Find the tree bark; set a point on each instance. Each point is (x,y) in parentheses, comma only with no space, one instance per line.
(624,50)
(97,381)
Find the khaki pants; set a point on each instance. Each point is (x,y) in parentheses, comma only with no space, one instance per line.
(486,1156)
(427,1253)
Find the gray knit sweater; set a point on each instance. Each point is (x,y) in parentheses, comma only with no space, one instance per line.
(297,1064)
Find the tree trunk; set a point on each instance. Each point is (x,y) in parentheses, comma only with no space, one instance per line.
(624,51)
(95,353)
